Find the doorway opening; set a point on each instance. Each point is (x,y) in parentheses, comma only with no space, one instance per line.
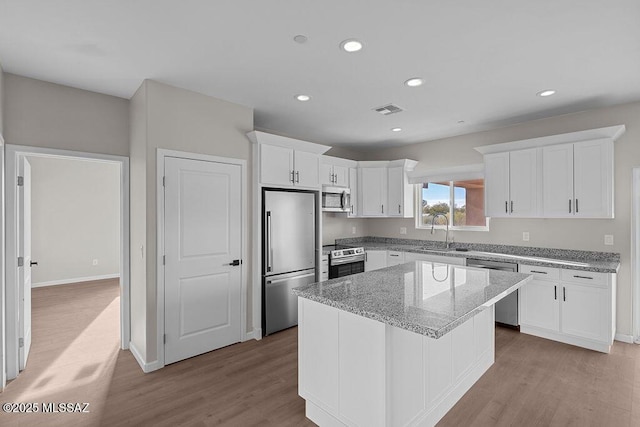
(67,239)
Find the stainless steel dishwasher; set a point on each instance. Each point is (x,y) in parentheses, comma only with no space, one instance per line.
(507,307)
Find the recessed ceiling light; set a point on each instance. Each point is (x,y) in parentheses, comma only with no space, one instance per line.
(302,98)
(548,92)
(351,45)
(300,39)
(396,129)
(414,82)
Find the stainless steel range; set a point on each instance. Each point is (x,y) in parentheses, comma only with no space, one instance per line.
(343,262)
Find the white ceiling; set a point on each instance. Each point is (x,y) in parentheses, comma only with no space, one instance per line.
(483,61)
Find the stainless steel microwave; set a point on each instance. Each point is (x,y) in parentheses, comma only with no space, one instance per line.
(336,199)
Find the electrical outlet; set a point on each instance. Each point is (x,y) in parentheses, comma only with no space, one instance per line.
(608,239)
(95,262)
(403,230)
(525,236)
(353,230)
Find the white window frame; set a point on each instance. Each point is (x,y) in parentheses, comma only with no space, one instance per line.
(418,213)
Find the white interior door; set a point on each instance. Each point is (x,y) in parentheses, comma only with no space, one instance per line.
(24,251)
(202,239)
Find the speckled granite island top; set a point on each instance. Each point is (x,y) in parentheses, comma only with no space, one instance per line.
(428,298)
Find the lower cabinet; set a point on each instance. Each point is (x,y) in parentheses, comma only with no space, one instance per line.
(375,260)
(324,268)
(571,306)
(413,256)
(395,258)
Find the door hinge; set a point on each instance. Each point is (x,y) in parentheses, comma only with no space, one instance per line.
(164,259)
(20,261)
(21,342)
(20,181)
(164,338)
(164,180)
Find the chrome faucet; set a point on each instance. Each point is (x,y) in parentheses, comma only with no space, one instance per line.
(446,235)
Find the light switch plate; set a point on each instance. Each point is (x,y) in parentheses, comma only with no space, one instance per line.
(525,236)
(403,230)
(608,239)
(353,230)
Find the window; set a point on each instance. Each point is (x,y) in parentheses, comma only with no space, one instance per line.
(460,203)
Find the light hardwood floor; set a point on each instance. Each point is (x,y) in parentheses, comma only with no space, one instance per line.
(75,358)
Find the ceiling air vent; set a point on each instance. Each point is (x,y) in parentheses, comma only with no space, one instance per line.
(385,110)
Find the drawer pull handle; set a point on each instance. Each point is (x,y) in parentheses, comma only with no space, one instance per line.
(555,292)
(539,272)
(393,255)
(583,277)
(564,293)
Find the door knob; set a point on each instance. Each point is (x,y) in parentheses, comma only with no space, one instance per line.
(32,263)
(235,262)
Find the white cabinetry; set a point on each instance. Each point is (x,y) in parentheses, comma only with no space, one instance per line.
(354,190)
(413,256)
(384,189)
(286,162)
(559,176)
(324,268)
(355,371)
(375,260)
(373,191)
(578,180)
(571,306)
(333,172)
(511,184)
(394,258)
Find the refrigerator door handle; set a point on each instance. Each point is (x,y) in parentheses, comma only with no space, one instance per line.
(269,249)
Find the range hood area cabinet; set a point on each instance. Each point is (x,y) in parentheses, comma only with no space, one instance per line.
(286,162)
(560,176)
(384,190)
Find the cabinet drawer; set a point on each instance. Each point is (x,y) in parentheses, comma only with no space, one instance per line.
(541,273)
(584,277)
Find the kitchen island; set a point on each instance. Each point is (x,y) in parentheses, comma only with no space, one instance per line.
(397,346)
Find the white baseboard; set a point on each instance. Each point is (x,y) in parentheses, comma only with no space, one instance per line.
(624,338)
(75,280)
(146,367)
(256,334)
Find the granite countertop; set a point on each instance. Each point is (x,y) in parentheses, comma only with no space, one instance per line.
(603,262)
(428,298)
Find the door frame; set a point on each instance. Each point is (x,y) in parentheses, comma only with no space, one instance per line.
(12,155)
(635,254)
(161,155)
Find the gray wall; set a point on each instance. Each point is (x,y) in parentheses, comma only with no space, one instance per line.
(179,119)
(138,218)
(75,218)
(48,115)
(585,234)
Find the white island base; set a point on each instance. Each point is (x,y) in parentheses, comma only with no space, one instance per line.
(355,371)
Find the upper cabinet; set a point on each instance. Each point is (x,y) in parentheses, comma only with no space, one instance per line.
(384,189)
(353,188)
(512,184)
(560,176)
(286,162)
(578,180)
(373,191)
(334,171)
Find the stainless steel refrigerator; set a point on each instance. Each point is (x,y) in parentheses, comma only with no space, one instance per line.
(288,254)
